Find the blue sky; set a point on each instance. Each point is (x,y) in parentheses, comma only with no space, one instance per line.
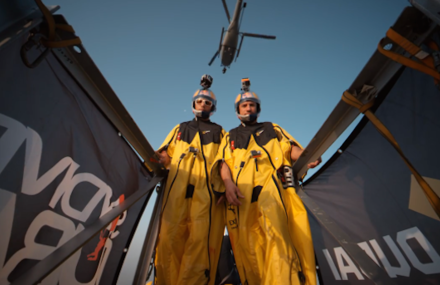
(153,54)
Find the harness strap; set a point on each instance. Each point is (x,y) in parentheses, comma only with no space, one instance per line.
(426,64)
(433,198)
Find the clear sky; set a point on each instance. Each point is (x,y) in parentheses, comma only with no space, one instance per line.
(153,54)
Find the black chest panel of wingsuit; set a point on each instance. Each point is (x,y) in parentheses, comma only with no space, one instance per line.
(263,133)
(211,131)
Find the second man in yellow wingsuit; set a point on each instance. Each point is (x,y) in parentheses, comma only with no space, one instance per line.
(266,220)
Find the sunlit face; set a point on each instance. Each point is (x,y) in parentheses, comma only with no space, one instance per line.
(247,108)
(203,105)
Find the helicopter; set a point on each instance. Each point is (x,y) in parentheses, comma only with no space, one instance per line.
(228,44)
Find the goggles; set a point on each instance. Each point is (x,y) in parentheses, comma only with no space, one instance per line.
(207,102)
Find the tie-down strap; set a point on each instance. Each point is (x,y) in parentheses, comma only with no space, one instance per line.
(425,63)
(52,26)
(351,100)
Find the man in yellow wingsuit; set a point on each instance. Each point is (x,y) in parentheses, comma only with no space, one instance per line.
(266,220)
(192,226)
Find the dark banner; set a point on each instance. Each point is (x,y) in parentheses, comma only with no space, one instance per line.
(374,198)
(62,166)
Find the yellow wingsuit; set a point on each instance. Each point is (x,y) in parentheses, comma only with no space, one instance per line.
(192,226)
(270,230)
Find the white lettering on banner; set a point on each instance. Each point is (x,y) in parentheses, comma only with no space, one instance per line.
(33,185)
(427,268)
(332,264)
(342,258)
(402,270)
(11,140)
(67,186)
(15,135)
(7,206)
(346,265)
(36,251)
(368,251)
(67,276)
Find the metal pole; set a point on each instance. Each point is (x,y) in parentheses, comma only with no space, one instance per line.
(149,245)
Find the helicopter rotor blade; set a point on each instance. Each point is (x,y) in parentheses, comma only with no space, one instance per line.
(226,10)
(239,48)
(213,58)
(221,39)
(259,36)
(241,17)
(219,47)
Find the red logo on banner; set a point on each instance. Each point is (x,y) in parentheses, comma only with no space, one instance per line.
(102,237)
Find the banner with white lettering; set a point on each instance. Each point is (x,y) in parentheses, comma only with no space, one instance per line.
(372,195)
(62,166)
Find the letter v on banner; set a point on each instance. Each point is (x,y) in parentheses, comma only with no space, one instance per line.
(33,185)
(15,135)
(11,140)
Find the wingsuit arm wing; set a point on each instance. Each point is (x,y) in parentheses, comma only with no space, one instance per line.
(286,142)
(224,155)
(302,237)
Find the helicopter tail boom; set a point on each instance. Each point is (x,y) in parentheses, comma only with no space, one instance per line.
(254,36)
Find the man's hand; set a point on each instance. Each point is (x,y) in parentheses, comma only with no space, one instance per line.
(315,163)
(233,193)
(163,158)
(296,153)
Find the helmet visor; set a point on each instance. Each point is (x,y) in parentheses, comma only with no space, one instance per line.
(201,100)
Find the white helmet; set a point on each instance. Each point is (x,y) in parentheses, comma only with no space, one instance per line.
(207,95)
(247,96)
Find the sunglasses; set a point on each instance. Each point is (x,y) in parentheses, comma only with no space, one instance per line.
(207,102)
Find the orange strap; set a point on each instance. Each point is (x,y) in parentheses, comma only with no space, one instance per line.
(50,42)
(426,64)
(351,100)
